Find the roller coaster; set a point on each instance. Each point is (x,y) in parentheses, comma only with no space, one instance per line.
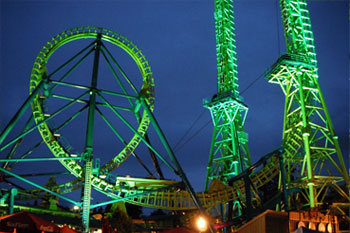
(307,168)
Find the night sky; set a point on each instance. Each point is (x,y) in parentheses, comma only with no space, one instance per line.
(178,39)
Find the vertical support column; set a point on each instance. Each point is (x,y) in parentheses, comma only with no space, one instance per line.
(310,184)
(88,153)
(283,178)
(306,135)
(13,193)
(224,214)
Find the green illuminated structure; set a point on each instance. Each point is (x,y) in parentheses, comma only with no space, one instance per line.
(229,153)
(311,151)
(47,86)
(312,157)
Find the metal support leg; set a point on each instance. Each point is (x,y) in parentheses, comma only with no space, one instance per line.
(18,142)
(171,153)
(20,112)
(172,156)
(284,185)
(306,140)
(14,192)
(88,153)
(38,186)
(310,183)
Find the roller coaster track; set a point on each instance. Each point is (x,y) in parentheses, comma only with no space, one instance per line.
(174,198)
(160,194)
(38,75)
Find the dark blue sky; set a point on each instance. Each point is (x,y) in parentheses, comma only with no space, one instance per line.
(178,40)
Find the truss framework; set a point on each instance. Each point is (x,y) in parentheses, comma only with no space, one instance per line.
(312,152)
(43,87)
(225,160)
(229,154)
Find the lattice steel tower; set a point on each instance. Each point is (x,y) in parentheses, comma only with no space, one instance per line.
(229,153)
(312,155)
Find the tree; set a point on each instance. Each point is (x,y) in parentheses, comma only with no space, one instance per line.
(133,211)
(50,201)
(120,221)
(158,212)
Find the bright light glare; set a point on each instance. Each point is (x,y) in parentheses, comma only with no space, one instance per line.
(76,207)
(202,224)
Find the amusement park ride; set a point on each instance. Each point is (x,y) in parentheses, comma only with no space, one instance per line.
(308,167)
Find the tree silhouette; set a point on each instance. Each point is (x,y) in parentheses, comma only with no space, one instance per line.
(133,211)
(120,222)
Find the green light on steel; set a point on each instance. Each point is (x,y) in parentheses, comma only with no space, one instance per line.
(40,159)
(39,122)
(88,156)
(39,186)
(37,74)
(308,137)
(229,154)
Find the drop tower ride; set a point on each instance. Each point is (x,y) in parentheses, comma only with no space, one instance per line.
(229,154)
(312,158)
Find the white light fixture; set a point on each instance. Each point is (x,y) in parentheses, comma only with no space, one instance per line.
(202,224)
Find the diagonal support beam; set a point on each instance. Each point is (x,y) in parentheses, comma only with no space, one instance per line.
(39,186)
(165,143)
(20,112)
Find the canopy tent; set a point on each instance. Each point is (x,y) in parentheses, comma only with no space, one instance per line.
(66,229)
(305,230)
(25,222)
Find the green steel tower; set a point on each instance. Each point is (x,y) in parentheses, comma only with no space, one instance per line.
(229,153)
(312,157)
